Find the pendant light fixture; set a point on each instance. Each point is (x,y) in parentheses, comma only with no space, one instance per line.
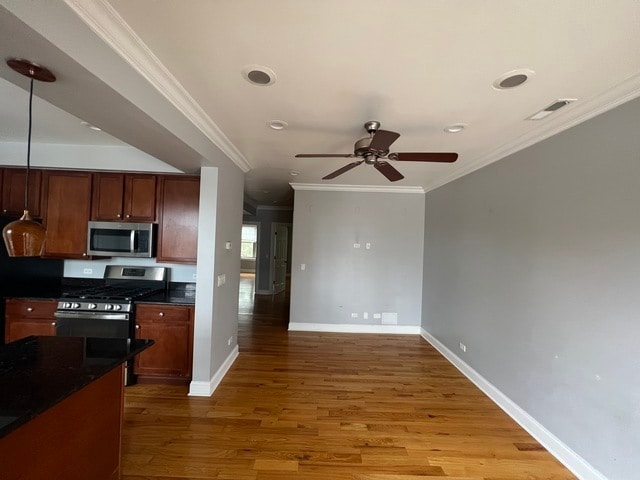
(25,237)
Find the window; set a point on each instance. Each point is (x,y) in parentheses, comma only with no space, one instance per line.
(248,245)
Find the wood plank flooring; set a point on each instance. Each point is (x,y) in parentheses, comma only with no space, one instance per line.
(320,406)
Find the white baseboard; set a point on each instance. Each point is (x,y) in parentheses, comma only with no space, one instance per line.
(206,389)
(574,462)
(342,328)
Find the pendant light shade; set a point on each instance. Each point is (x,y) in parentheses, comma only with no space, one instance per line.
(25,237)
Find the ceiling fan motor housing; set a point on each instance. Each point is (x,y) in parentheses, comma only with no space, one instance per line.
(361,150)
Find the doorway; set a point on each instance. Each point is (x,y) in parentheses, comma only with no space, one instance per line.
(280,252)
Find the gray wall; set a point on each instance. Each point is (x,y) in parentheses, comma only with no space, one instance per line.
(534,263)
(339,279)
(265,217)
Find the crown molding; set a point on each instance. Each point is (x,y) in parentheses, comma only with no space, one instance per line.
(356,188)
(580,112)
(103,19)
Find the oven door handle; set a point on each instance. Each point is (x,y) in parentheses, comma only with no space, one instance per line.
(90,315)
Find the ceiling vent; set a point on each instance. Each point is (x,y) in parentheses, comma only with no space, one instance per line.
(259,75)
(554,107)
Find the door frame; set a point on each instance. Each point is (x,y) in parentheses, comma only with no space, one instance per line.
(257,224)
(272,263)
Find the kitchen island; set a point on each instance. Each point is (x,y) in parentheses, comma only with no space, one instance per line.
(61,405)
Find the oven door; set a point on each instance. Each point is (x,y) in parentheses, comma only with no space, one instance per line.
(92,324)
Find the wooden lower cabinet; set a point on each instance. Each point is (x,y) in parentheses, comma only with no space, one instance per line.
(29,317)
(169,359)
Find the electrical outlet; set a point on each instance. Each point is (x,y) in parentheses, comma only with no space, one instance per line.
(367,246)
(356,245)
(222,279)
(463,347)
(354,315)
(88,271)
(365,315)
(303,266)
(376,316)
(229,341)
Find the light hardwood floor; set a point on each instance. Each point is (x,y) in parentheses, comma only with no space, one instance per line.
(323,406)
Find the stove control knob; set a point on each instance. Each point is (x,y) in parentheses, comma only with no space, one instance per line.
(108,306)
(117,307)
(75,305)
(92,306)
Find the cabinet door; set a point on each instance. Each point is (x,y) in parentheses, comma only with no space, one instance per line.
(178,219)
(66,213)
(108,189)
(29,317)
(140,198)
(19,328)
(171,329)
(13,185)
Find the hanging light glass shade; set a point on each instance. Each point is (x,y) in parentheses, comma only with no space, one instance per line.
(25,237)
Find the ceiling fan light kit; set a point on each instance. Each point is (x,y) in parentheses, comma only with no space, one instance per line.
(25,237)
(374,149)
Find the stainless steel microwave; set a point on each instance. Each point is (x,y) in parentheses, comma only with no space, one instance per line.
(116,239)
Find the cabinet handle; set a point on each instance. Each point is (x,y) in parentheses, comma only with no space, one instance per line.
(4,211)
(128,216)
(137,327)
(118,215)
(53,324)
(84,254)
(161,314)
(29,309)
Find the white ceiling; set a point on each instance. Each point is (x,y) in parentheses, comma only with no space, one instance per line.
(414,65)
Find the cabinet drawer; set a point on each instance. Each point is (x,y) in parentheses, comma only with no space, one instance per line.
(31,308)
(162,312)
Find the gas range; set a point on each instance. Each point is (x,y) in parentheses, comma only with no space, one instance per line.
(123,285)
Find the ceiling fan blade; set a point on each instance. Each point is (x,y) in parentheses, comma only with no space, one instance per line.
(325,155)
(382,140)
(444,157)
(342,170)
(388,171)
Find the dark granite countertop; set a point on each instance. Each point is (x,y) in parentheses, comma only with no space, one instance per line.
(178,294)
(172,297)
(36,373)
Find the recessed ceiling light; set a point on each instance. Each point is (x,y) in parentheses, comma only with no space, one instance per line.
(259,75)
(277,124)
(92,127)
(513,79)
(455,128)
(294,173)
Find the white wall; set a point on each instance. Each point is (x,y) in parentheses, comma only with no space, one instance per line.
(534,263)
(338,279)
(81,157)
(216,318)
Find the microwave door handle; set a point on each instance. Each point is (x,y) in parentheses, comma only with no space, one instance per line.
(132,246)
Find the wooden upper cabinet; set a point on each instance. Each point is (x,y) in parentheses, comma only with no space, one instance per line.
(13,184)
(124,197)
(179,197)
(67,208)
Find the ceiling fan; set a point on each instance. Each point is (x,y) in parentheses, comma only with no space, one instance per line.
(372,150)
